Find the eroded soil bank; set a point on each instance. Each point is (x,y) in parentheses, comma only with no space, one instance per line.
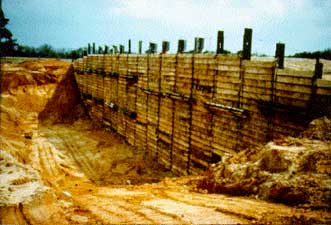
(58,167)
(294,171)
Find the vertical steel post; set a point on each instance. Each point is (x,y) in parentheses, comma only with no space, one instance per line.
(129,45)
(165,46)
(93,48)
(181,46)
(220,42)
(247,44)
(140,47)
(280,52)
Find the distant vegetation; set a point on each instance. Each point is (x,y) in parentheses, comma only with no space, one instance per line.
(7,43)
(47,51)
(326,54)
(9,47)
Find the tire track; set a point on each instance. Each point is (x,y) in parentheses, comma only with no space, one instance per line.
(107,211)
(82,161)
(244,208)
(67,151)
(149,213)
(12,215)
(49,167)
(123,211)
(115,210)
(45,170)
(23,215)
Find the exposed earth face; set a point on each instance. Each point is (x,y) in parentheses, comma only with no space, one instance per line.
(57,167)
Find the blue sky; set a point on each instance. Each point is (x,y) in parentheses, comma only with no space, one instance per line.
(303,25)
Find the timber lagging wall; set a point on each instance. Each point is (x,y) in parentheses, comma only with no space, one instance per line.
(190,110)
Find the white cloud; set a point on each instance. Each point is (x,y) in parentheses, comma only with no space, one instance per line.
(190,18)
(197,13)
(271,20)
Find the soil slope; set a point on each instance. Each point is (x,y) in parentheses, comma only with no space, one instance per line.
(294,171)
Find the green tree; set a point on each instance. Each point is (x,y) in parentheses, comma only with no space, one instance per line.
(325,54)
(7,44)
(46,50)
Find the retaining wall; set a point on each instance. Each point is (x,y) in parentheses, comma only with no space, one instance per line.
(190,110)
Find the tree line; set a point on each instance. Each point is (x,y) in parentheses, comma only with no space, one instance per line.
(326,54)
(46,51)
(9,46)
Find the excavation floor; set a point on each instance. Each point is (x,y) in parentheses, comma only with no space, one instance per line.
(79,174)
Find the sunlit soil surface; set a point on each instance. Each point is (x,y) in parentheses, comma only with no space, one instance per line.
(56,167)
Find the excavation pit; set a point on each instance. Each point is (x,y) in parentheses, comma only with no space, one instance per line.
(59,165)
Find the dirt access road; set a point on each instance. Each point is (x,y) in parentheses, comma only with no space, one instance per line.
(56,167)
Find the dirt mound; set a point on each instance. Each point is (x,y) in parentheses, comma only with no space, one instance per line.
(294,171)
(65,104)
(32,73)
(46,87)
(319,129)
(19,182)
(35,93)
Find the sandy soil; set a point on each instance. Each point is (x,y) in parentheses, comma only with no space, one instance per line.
(301,64)
(58,168)
(294,171)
